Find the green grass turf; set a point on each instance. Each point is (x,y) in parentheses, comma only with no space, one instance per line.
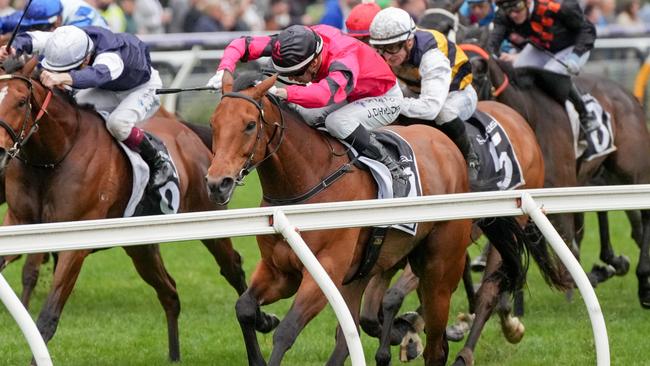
(114,318)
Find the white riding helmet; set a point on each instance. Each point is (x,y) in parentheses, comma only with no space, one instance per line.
(66,49)
(391,25)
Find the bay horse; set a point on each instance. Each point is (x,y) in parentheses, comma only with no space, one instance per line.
(629,164)
(530,158)
(253,131)
(61,164)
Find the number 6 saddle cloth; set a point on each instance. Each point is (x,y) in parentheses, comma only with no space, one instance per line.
(500,169)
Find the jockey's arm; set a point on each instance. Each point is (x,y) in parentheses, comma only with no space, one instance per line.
(435,73)
(107,67)
(332,89)
(572,17)
(245,49)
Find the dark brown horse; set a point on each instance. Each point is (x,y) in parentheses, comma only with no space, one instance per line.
(67,167)
(530,158)
(629,164)
(253,132)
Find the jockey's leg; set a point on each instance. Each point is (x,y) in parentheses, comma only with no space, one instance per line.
(459,106)
(353,121)
(366,144)
(137,105)
(588,120)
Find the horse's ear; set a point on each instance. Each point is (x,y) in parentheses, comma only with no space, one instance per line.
(265,85)
(226,82)
(29,66)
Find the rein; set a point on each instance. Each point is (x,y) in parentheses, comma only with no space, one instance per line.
(21,138)
(249,166)
(484,55)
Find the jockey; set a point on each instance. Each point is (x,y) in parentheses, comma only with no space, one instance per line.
(359,19)
(478,12)
(559,39)
(46,15)
(110,71)
(344,82)
(434,70)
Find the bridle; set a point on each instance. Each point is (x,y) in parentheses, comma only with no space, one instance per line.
(23,135)
(495,92)
(249,166)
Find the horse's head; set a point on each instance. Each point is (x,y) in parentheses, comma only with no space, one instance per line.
(18,117)
(239,135)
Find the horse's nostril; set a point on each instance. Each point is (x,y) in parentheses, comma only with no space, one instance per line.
(226,184)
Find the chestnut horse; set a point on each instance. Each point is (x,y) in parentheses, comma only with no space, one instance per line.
(629,164)
(253,131)
(61,164)
(530,158)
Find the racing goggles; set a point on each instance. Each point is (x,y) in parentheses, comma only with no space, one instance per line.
(390,49)
(513,7)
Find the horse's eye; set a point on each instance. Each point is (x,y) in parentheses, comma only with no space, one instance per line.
(250,126)
(22,103)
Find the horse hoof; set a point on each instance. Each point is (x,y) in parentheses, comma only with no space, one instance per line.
(382,358)
(513,330)
(644,293)
(411,347)
(464,358)
(268,323)
(621,264)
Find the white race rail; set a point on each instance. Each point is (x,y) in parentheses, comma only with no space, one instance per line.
(242,222)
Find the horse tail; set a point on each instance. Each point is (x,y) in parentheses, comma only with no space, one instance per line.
(553,271)
(510,240)
(203,131)
(515,244)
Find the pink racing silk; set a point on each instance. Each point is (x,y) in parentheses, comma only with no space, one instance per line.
(350,70)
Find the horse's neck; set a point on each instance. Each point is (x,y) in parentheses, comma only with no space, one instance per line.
(302,160)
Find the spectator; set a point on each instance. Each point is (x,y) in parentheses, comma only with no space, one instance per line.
(128,7)
(336,11)
(5,8)
(415,8)
(149,17)
(478,12)
(179,11)
(113,15)
(279,16)
(629,14)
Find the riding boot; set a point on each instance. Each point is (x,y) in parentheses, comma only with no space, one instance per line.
(159,163)
(588,120)
(366,144)
(455,130)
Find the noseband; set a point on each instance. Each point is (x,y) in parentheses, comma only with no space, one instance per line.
(249,166)
(23,135)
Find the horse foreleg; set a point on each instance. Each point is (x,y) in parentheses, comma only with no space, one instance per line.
(149,264)
(65,277)
(391,304)
(31,270)
(352,295)
(486,299)
(372,298)
(309,301)
(267,285)
(643,269)
(229,261)
(618,265)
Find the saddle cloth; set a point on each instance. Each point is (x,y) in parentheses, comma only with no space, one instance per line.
(401,151)
(144,200)
(500,169)
(597,143)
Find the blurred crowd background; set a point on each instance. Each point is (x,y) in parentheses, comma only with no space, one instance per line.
(177,16)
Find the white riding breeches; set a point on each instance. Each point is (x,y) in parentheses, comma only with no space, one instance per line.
(531,56)
(123,109)
(459,103)
(343,118)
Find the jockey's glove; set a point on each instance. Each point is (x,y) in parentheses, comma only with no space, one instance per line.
(216,82)
(572,63)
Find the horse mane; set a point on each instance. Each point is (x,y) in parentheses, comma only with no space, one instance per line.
(249,79)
